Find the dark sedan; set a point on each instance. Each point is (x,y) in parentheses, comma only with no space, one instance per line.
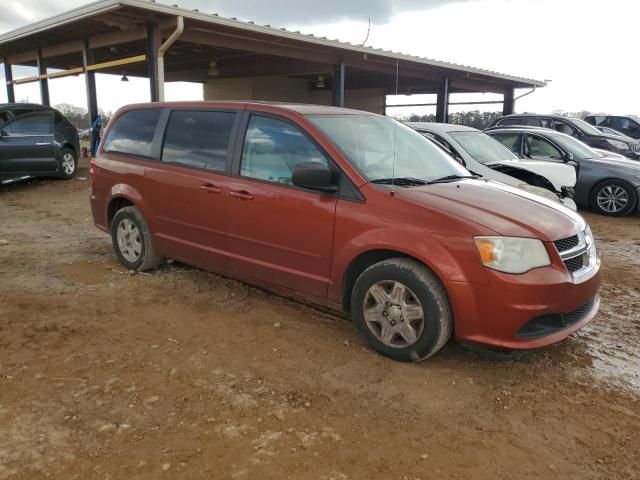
(577,128)
(609,186)
(36,141)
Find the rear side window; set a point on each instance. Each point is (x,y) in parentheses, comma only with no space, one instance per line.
(273,148)
(29,122)
(198,138)
(133,133)
(507,121)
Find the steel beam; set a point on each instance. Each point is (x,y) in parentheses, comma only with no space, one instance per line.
(92,96)
(8,76)
(509,102)
(44,82)
(153,42)
(442,107)
(337,85)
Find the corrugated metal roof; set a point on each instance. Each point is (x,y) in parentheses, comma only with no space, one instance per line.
(105,6)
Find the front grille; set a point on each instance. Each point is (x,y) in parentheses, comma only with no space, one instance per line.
(555,322)
(567,243)
(574,264)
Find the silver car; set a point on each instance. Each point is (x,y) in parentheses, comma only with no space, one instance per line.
(483,155)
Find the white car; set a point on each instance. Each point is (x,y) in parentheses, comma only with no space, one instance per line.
(487,157)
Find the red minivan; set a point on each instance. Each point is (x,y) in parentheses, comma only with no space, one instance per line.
(346,209)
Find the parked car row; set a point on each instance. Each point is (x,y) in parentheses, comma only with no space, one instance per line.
(482,155)
(580,129)
(629,126)
(356,212)
(608,185)
(36,141)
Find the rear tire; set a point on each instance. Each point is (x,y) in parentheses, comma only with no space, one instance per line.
(67,164)
(132,242)
(402,310)
(614,198)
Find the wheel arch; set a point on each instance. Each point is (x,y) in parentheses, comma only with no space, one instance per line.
(70,146)
(115,204)
(370,257)
(123,195)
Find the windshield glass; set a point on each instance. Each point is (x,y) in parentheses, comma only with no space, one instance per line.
(482,147)
(579,150)
(368,142)
(586,127)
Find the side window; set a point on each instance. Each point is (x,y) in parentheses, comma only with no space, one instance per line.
(29,122)
(563,127)
(510,121)
(533,121)
(445,145)
(5,116)
(542,148)
(273,148)
(198,138)
(509,140)
(133,133)
(57,117)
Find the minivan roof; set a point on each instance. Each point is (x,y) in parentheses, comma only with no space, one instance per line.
(300,108)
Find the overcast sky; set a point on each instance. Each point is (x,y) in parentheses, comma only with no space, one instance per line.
(586,47)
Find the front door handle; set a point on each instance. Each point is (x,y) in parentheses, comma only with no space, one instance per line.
(207,187)
(241,195)
(42,144)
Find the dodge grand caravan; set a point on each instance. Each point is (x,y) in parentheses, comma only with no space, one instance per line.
(350,210)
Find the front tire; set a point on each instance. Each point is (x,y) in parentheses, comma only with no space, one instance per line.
(67,164)
(131,240)
(614,198)
(402,310)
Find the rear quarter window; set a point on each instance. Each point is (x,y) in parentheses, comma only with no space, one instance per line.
(198,138)
(133,133)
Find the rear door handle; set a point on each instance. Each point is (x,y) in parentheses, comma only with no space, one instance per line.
(207,187)
(41,144)
(241,194)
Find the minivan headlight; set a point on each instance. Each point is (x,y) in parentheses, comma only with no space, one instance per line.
(512,254)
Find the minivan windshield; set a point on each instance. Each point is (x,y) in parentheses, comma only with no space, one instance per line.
(482,147)
(382,148)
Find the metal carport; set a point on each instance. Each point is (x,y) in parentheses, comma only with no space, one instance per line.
(231,58)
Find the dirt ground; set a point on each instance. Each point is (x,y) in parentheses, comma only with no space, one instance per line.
(183,374)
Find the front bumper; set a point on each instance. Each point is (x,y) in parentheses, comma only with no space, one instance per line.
(497,313)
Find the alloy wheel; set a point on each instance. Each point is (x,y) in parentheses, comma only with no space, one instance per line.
(612,198)
(129,240)
(68,164)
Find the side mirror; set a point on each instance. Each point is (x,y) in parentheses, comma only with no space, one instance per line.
(568,157)
(3,133)
(315,176)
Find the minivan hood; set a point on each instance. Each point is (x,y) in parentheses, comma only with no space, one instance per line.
(503,209)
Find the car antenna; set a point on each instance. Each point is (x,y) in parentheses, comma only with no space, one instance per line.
(395,131)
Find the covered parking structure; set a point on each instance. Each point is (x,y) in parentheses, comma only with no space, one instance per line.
(232,59)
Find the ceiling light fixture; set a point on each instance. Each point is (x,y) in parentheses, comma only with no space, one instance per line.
(213,69)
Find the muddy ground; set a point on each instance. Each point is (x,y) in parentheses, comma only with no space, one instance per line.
(183,374)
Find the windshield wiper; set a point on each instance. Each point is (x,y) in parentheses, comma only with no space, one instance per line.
(451,178)
(400,181)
